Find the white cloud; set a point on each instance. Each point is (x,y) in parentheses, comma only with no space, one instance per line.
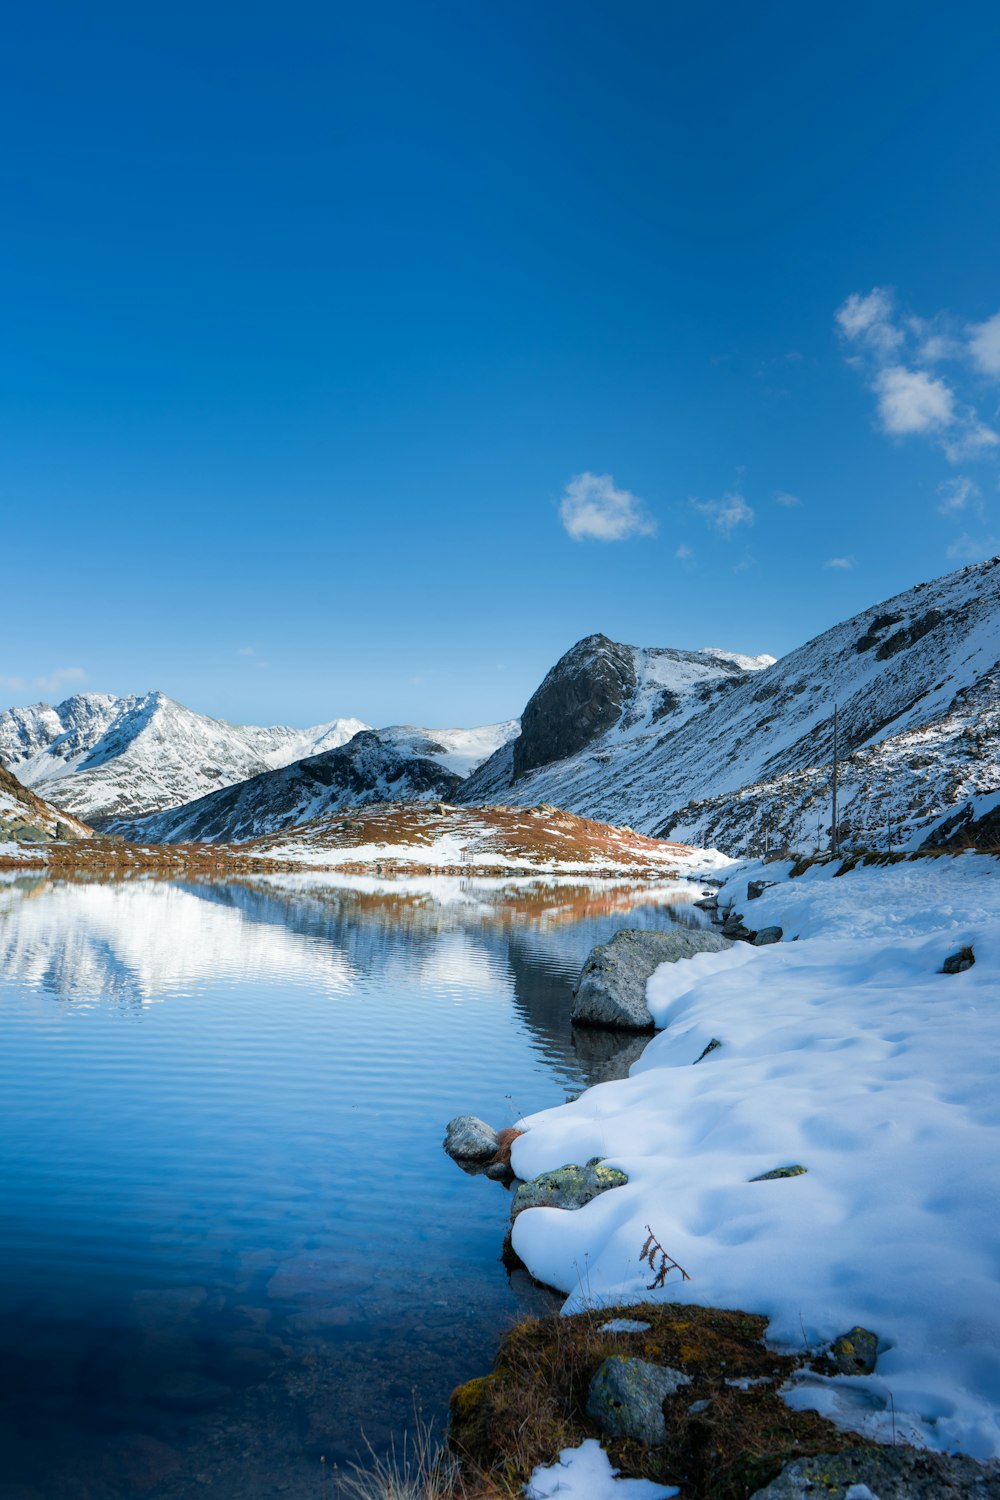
(726,514)
(958,494)
(782,497)
(973,549)
(868,320)
(60,678)
(684,553)
(913,401)
(245,651)
(895,355)
(12,684)
(984,345)
(592,507)
(841,562)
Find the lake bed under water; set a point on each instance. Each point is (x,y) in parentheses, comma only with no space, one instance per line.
(230,1241)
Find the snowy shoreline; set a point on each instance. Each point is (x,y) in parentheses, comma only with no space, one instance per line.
(848,1052)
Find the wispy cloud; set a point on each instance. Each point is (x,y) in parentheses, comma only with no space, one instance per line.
(245,651)
(12,684)
(960,493)
(592,506)
(984,345)
(62,677)
(844,563)
(684,553)
(726,514)
(782,497)
(968,548)
(897,353)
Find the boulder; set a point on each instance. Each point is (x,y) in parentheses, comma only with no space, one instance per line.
(957,963)
(627,1395)
(470,1139)
(855,1352)
(767,935)
(567,1187)
(612,987)
(896,1473)
(756,888)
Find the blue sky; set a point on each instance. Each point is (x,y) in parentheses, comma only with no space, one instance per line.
(359,359)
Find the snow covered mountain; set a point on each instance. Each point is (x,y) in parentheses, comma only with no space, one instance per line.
(25,818)
(724,758)
(400,764)
(105,758)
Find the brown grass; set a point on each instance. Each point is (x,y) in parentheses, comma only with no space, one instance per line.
(534,1403)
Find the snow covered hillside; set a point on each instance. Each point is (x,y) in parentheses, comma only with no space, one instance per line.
(25,818)
(718,761)
(849,1054)
(379,765)
(104,758)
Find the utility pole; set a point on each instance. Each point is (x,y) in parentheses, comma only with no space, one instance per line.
(834,842)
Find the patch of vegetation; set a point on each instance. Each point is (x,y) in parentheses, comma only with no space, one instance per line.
(728,1433)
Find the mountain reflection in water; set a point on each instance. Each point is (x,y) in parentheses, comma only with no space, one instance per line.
(229,1238)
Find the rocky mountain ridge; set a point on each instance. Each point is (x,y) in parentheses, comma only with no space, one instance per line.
(26,819)
(400,764)
(748,756)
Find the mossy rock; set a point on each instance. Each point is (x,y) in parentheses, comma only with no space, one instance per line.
(567,1187)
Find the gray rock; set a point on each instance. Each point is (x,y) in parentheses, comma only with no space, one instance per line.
(470,1139)
(796,1170)
(756,888)
(612,987)
(957,963)
(567,1187)
(707,903)
(855,1352)
(897,1473)
(767,935)
(627,1395)
(713,1046)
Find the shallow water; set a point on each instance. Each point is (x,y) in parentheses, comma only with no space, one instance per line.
(230,1242)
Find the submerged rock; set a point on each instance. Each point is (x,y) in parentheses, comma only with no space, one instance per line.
(896,1473)
(612,987)
(567,1187)
(627,1395)
(468,1138)
(855,1352)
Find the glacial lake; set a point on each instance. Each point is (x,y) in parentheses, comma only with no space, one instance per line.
(231,1245)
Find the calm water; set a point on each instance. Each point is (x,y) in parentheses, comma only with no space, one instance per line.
(230,1241)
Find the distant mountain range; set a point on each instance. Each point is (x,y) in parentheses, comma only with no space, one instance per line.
(105,758)
(704,747)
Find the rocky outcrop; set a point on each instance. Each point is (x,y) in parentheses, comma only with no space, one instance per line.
(897,1473)
(957,963)
(612,987)
(581,698)
(26,819)
(627,1395)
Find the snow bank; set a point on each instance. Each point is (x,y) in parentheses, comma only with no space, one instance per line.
(585,1473)
(851,1054)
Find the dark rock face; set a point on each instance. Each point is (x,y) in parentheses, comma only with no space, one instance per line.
(896,1473)
(581,698)
(909,635)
